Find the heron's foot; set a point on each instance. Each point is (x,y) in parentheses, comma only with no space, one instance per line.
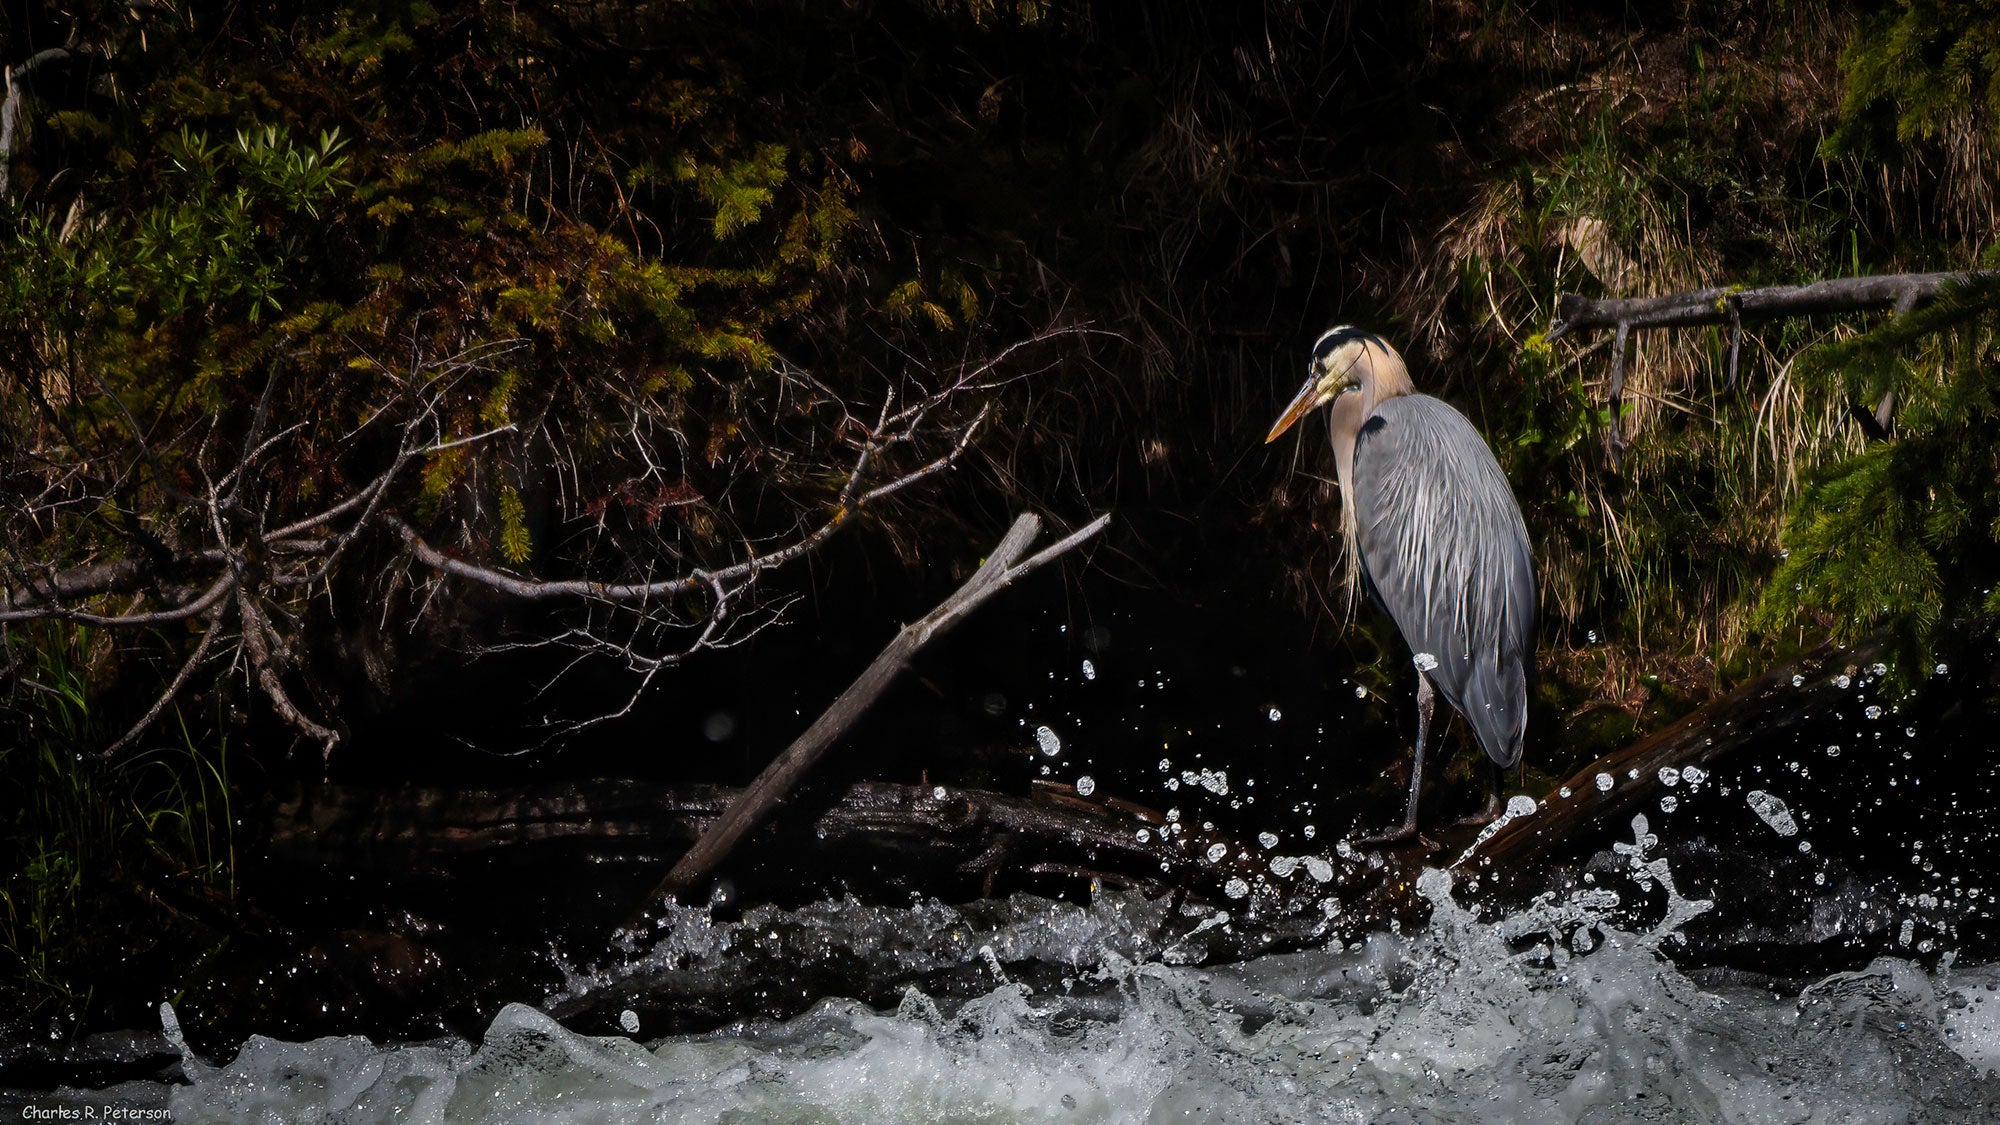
(1398,837)
(1485,816)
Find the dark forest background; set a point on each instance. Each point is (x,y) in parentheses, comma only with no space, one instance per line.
(796,304)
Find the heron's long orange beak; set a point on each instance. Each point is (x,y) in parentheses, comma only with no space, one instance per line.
(1316,392)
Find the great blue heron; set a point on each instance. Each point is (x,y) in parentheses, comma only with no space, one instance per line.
(1429,518)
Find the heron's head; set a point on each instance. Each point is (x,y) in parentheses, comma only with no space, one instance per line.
(1345,358)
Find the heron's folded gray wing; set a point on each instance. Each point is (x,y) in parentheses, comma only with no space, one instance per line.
(1446,550)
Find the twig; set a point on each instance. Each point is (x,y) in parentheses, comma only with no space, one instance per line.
(751,806)
(11,108)
(159,705)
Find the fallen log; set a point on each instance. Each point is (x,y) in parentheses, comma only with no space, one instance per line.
(1602,797)
(1899,292)
(967,843)
(425,832)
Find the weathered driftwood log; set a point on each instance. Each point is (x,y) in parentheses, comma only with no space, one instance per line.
(1899,291)
(1582,809)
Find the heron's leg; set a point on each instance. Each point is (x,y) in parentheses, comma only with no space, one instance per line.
(1491,812)
(1425,700)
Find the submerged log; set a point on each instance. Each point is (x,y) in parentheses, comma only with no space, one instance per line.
(438,832)
(876,838)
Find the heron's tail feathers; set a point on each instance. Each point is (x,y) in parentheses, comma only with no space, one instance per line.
(1496,705)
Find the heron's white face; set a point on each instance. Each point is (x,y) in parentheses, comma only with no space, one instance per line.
(1333,369)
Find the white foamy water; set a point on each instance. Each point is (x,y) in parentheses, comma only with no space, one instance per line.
(1553,1013)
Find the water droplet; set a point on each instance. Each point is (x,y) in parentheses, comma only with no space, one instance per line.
(1669,803)
(1089,670)
(1605,782)
(1669,776)
(1842,680)
(1424,661)
(1047,740)
(1267,839)
(629,1020)
(1216,852)
(1275,714)
(1873,712)
(939,793)
(1772,811)
(1086,785)
(1236,888)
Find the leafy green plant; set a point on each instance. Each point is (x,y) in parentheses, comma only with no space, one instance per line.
(1901,539)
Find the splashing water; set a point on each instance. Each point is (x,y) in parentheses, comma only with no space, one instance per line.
(1552,1013)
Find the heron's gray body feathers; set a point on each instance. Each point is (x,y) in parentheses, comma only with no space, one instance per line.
(1442,543)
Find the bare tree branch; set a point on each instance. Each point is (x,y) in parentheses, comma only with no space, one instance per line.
(750,807)
(1901,291)
(166,697)
(1898,292)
